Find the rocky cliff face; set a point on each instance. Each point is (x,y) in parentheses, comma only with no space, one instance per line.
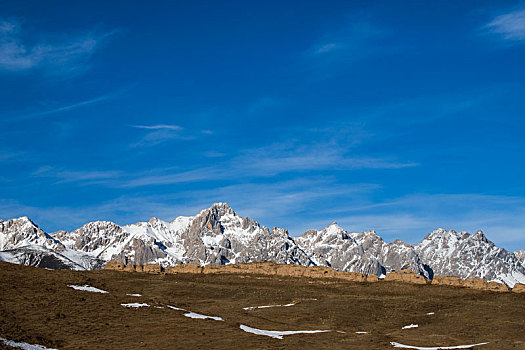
(363,252)
(520,255)
(20,232)
(469,256)
(218,236)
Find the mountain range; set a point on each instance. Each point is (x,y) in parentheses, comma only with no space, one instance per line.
(219,236)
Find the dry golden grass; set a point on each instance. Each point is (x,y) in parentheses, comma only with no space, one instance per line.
(37,307)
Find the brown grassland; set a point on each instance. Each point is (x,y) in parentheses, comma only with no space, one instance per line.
(38,307)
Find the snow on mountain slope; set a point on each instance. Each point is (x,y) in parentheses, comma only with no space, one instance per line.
(21,232)
(520,254)
(469,256)
(217,235)
(34,255)
(363,252)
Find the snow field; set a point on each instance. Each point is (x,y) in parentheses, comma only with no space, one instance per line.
(136,305)
(87,288)
(267,306)
(24,346)
(277,334)
(398,345)
(410,326)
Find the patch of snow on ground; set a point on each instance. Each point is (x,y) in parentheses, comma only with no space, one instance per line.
(175,308)
(430,313)
(199,316)
(266,306)
(277,334)
(410,326)
(87,288)
(135,305)
(134,295)
(398,345)
(361,332)
(24,346)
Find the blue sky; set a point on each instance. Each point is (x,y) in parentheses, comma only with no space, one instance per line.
(395,116)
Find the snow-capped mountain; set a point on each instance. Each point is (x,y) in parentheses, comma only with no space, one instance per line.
(469,256)
(363,252)
(218,236)
(520,254)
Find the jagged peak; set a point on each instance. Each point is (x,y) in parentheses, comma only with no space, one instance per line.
(400,242)
(155,221)
(219,208)
(21,220)
(220,204)
(24,219)
(98,223)
(480,236)
(181,219)
(441,232)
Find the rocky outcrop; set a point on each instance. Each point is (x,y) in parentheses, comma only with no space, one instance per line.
(408,276)
(519,288)
(257,268)
(448,281)
(474,283)
(317,272)
(520,255)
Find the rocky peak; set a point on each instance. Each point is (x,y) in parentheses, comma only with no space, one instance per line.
(22,231)
(220,209)
(399,242)
(217,235)
(520,255)
(480,236)
(327,235)
(469,256)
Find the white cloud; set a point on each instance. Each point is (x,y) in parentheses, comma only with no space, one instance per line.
(16,55)
(267,162)
(510,25)
(158,127)
(326,48)
(502,218)
(158,134)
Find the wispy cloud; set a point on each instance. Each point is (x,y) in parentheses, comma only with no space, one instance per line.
(63,57)
(267,162)
(158,134)
(87,177)
(281,158)
(68,107)
(301,204)
(502,218)
(158,127)
(6,155)
(511,25)
(355,40)
(324,48)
